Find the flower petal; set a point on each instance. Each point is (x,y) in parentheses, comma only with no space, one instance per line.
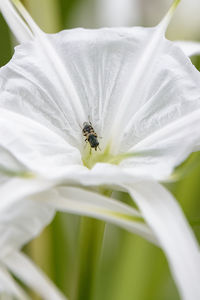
(166,219)
(17,24)
(27,88)
(99,63)
(33,146)
(24,215)
(138,83)
(54,65)
(22,267)
(171,92)
(102,174)
(107,62)
(10,287)
(158,154)
(86,203)
(190,48)
(20,219)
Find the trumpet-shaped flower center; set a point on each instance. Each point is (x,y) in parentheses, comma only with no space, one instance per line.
(91,157)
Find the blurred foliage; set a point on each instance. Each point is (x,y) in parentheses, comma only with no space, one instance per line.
(130,267)
(6,48)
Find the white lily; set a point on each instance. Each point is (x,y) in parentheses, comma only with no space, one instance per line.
(141,94)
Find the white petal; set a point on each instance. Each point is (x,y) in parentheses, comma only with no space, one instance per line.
(33,146)
(53,65)
(172,90)
(166,219)
(158,154)
(110,54)
(101,174)
(99,63)
(16,23)
(10,165)
(27,88)
(10,287)
(190,48)
(82,202)
(25,270)
(23,216)
(137,85)
(21,219)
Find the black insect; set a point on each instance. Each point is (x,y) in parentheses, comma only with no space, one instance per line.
(90,134)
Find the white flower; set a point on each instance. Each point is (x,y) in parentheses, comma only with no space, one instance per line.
(141,94)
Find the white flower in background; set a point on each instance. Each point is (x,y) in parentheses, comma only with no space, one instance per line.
(142,97)
(125,12)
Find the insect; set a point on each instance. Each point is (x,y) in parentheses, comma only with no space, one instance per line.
(90,134)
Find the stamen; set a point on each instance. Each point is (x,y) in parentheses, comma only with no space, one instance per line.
(166,20)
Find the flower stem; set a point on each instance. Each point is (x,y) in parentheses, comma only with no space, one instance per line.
(89,250)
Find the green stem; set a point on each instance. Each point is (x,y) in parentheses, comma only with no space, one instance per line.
(89,251)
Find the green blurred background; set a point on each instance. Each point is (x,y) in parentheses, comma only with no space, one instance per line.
(129,268)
